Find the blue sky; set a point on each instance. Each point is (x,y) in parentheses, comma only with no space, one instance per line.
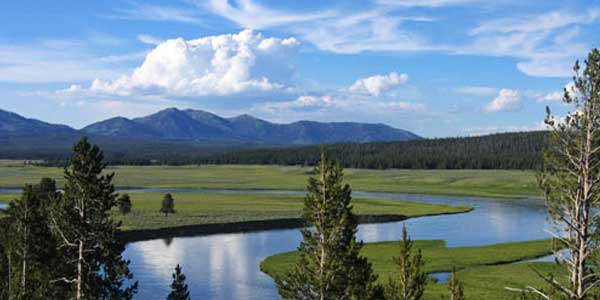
(436,67)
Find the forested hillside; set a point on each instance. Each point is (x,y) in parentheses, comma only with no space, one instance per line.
(522,150)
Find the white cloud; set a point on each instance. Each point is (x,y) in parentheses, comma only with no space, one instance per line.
(347,103)
(423,3)
(506,100)
(557,96)
(214,65)
(148,12)
(329,30)
(551,97)
(149,39)
(372,30)
(538,40)
(364,96)
(249,14)
(375,85)
(537,23)
(476,90)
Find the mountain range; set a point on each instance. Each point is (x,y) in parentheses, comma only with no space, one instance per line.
(191,128)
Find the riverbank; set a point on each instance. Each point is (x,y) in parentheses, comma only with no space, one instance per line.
(485,271)
(479,183)
(199,214)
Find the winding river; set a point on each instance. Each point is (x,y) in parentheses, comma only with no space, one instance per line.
(226,266)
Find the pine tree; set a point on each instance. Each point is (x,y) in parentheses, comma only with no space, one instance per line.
(571,179)
(410,281)
(81,222)
(168,205)
(124,203)
(455,287)
(30,244)
(330,265)
(179,289)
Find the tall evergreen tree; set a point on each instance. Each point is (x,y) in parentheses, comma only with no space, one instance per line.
(94,267)
(455,287)
(124,203)
(410,281)
(571,179)
(179,289)
(330,265)
(168,205)
(30,245)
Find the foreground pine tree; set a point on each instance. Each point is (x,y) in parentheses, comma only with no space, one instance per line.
(410,281)
(81,222)
(30,246)
(571,181)
(179,289)
(330,265)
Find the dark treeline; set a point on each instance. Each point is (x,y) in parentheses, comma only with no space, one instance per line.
(521,150)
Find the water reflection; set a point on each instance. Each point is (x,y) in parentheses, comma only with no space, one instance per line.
(226,266)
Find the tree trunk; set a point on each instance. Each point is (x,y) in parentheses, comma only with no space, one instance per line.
(79,272)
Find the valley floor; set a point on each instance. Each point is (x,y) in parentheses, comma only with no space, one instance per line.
(481,183)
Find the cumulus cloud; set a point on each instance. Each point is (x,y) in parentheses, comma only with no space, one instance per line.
(226,64)
(365,95)
(375,85)
(506,100)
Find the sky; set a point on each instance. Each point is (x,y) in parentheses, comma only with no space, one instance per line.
(436,67)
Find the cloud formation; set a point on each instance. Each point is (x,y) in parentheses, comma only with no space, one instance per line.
(538,40)
(226,64)
(249,14)
(506,100)
(375,85)
(367,95)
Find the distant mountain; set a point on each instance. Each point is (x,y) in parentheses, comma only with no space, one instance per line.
(173,132)
(12,124)
(196,126)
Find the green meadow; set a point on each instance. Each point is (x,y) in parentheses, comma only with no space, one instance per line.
(485,271)
(196,209)
(484,183)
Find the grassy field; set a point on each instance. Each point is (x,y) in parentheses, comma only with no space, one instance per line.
(479,268)
(195,209)
(485,183)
